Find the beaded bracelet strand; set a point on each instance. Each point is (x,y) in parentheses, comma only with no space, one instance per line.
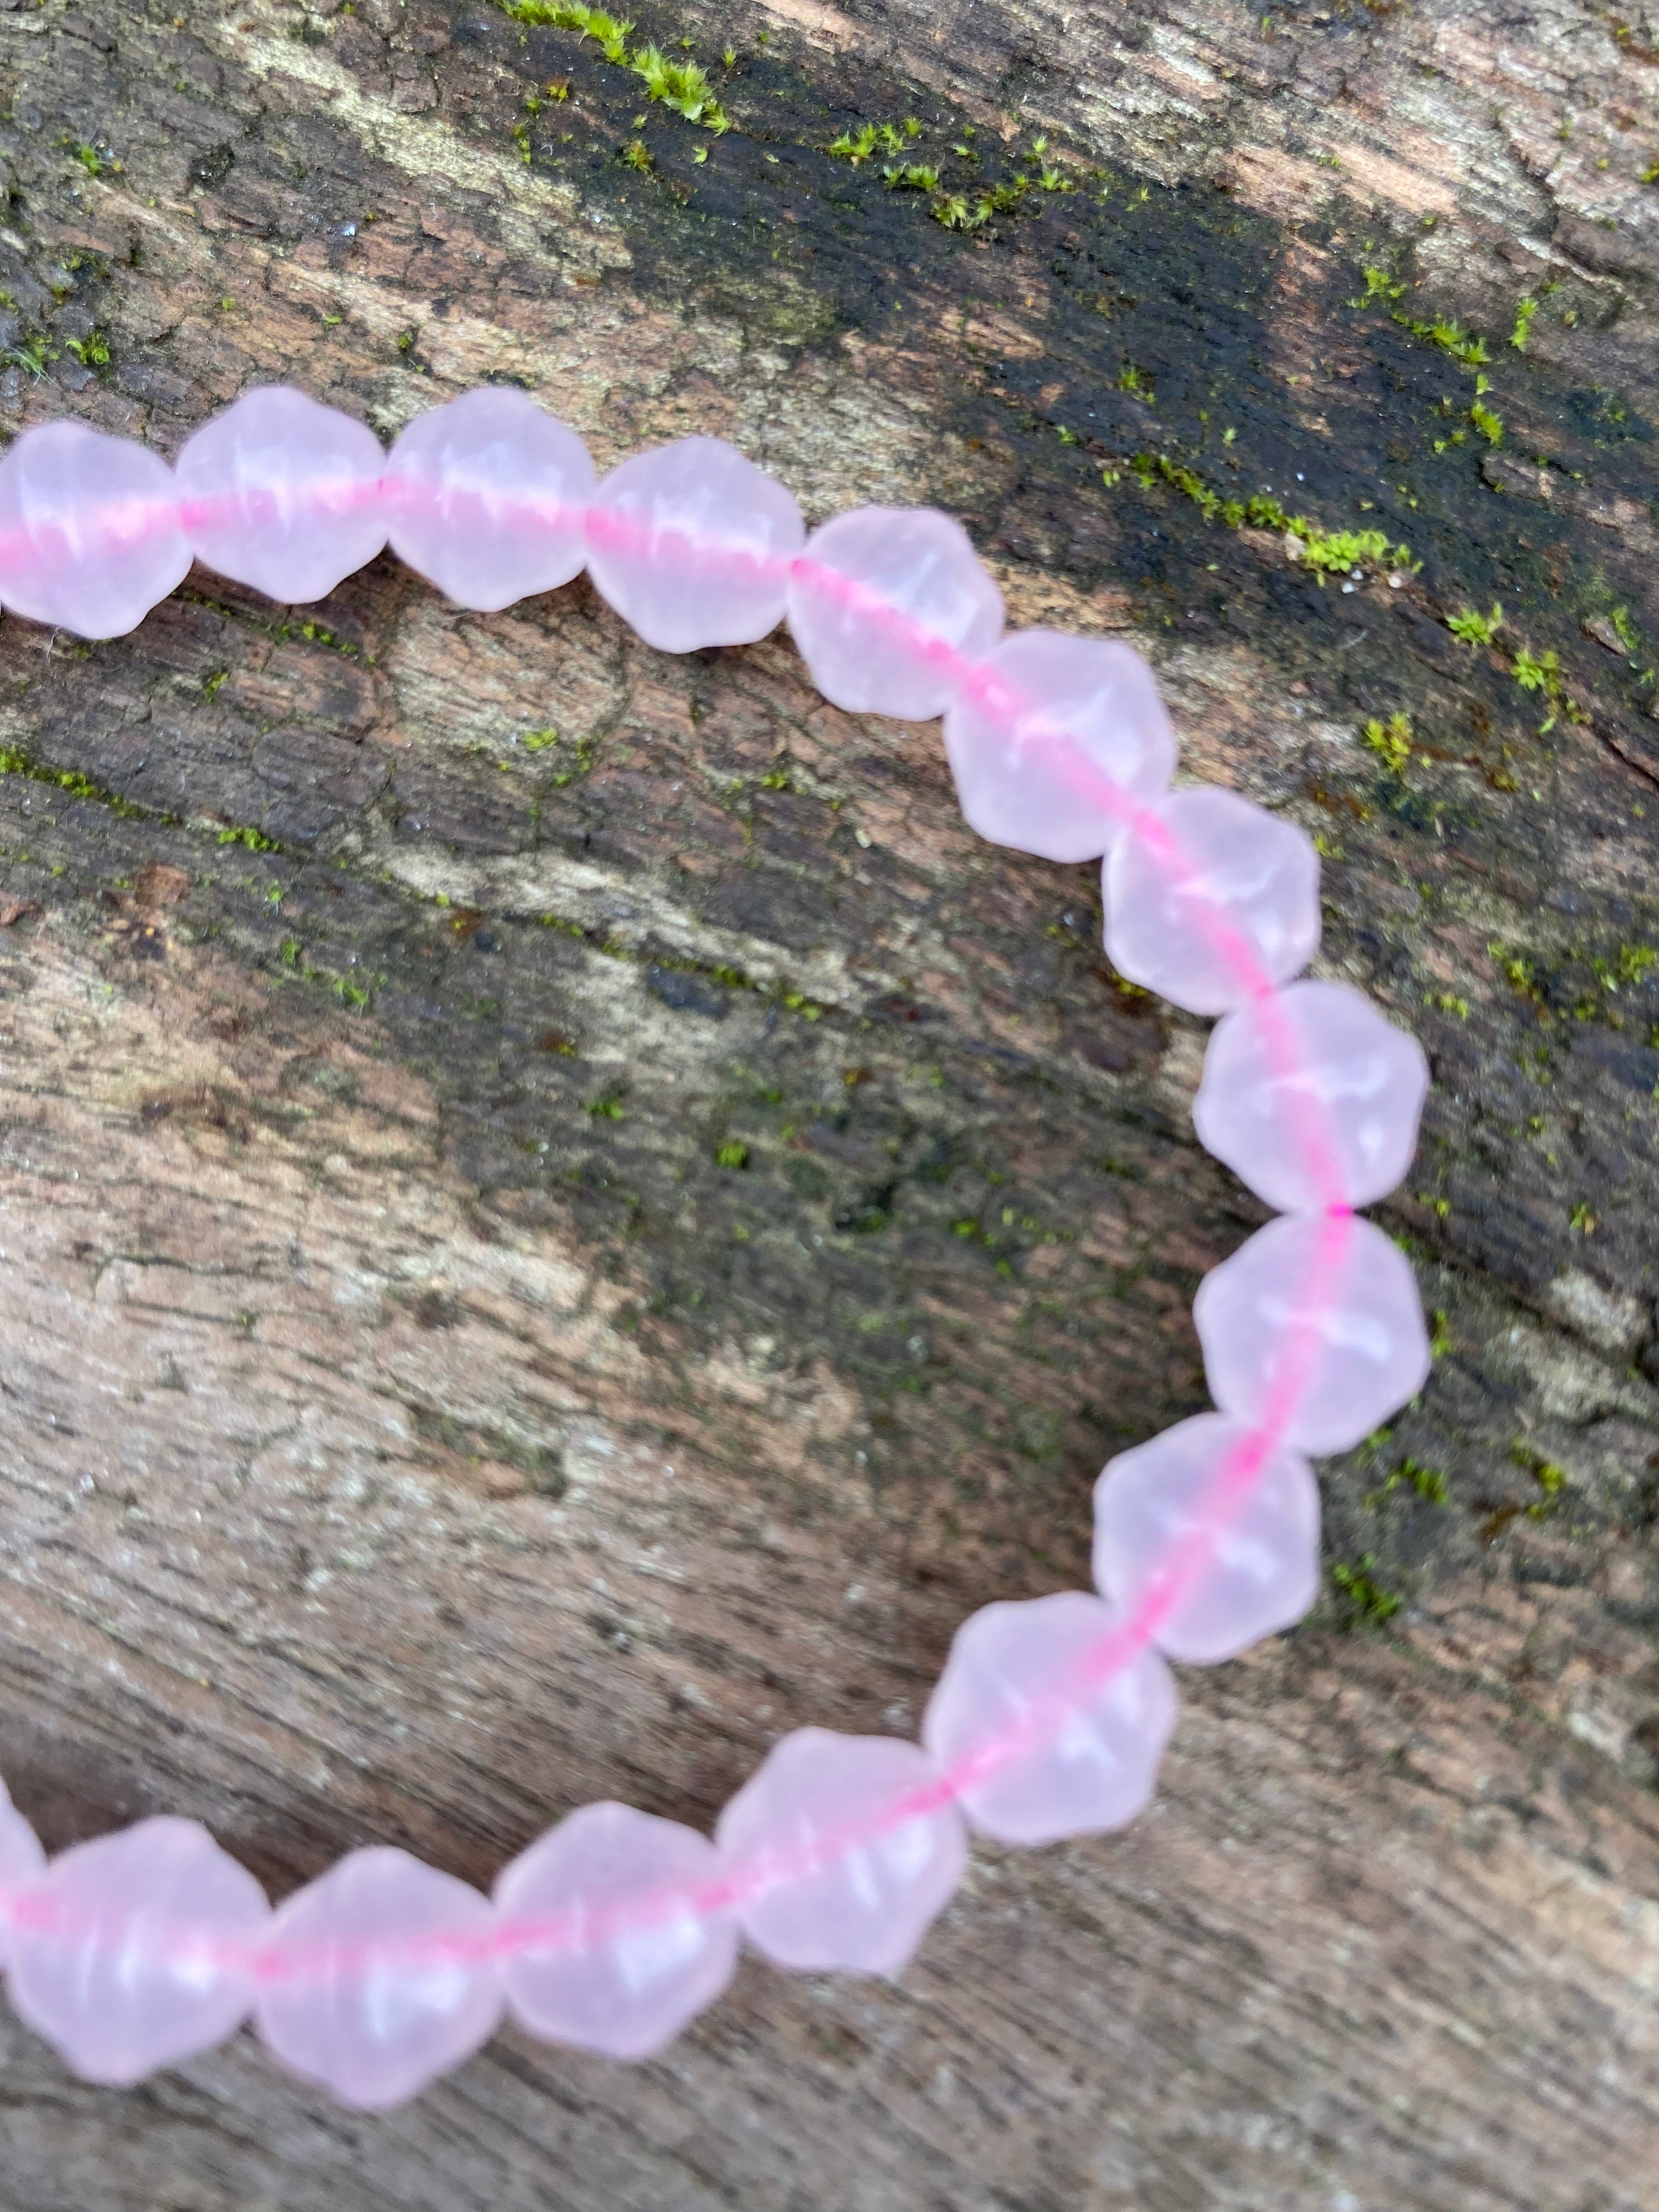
(611,1932)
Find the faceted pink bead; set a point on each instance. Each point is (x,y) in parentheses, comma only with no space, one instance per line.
(22,1862)
(846,1886)
(692,544)
(1259,1570)
(486,498)
(885,605)
(631,1954)
(1316,1318)
(1311,1098)
(1051,714)
(89,534)
(283,494)
(1059,1752)
(1235,900)
(381,1976)
(138,1950)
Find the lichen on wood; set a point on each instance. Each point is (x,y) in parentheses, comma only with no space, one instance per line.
(563,1218)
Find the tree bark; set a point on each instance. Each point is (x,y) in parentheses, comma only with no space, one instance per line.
(563,1218)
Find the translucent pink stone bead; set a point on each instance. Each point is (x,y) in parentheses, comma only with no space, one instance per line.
(137,1949)
(486,498)
(842,1890)
(1251,1557)
(1062,1749)
(886,604)
(1048,717)
(1315,1319)
(379,1976)
(692,544)
(1312,1097)
(283,494)
(22,1861)
(631,1955)
(1231,896)
(89,533)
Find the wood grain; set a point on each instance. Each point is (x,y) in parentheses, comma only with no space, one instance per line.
(410,1429)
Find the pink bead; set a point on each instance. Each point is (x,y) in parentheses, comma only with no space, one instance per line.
(1311,1098)
(381,1976)
(137,1950)
(887,606)
(842,1889)
(89,534)
(22,1861)
(283,494)
(1063,1750)
(692,544)
(1051,715)
(1316,1321)
(631,1955)
(486,498)
(1258,1570)
(1230,868)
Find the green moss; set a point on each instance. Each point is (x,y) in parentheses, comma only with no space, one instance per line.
(1425,1481)
(1340,552)
(863,144)
(13,761)
(355,991)
(92,352)
(1393,740)
(1551,1479)
(32,354)
(316,632)
(1474,628)
(1524,311)
(255,840)
(1429,1483)
(956,211)
(1450,337)
(1370,1598)
(1629,966)
(1542,672)
(581,756)
(732,1155)
(1327,552)
(682,86)
(1515,968)
(1379,285)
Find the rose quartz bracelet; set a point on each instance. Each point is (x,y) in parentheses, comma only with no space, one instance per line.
(135,1950)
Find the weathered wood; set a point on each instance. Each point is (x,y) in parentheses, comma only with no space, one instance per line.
(411,1428)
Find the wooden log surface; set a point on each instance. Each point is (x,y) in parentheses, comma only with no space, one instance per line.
(562,1217)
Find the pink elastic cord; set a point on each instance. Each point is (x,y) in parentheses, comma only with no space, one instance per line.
(1224,1496)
